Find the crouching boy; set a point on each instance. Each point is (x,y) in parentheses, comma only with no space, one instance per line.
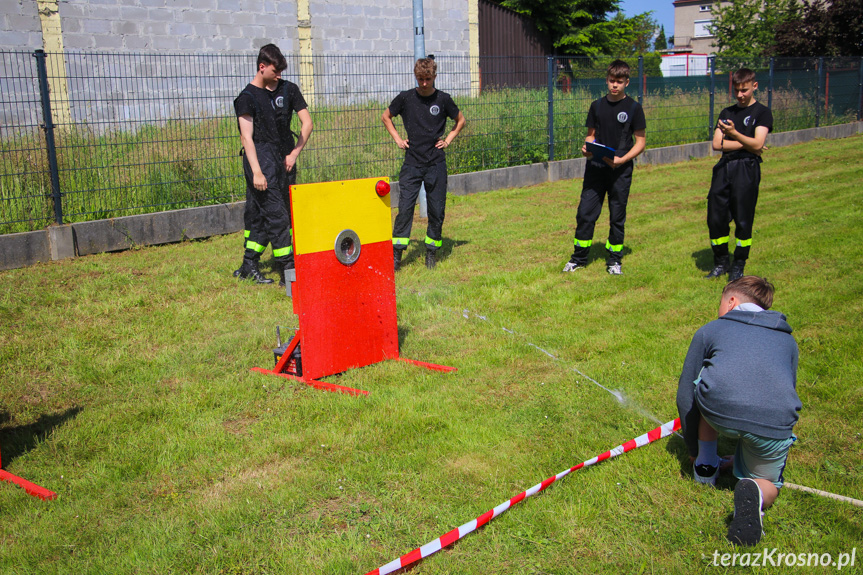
(739,381)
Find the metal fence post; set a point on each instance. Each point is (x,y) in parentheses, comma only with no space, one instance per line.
(48,126)
(712,95)
(550,108)
(770,84)
(819,91)
(420,52)
(640,79)
(860,91)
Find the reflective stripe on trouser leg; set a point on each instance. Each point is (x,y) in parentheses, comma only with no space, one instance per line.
(433,244)
(733,196)
(286,259)
(410,179)
(746,176)
(719,213)
(435,179)
(741,252)
(581,248)
(272,221)
(614,253)
(618,197)
(282,252)
(719,246)
(401,243)
(255,247)
(590,203)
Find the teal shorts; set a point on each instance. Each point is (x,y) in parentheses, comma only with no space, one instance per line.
(757,457)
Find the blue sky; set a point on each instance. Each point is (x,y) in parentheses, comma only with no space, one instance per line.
(663,11)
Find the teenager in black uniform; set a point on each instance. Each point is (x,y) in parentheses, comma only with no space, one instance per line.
(613,121)
(264,109)
(740,135)
(424,111)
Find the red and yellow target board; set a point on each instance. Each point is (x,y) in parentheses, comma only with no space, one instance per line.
(344,293)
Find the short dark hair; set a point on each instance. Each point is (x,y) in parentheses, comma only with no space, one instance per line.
(425,67)
(618,69)
(742,76)
(270,54)
(753,289)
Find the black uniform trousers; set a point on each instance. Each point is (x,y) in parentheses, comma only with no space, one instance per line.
(733,195)
(410,179)
(599,181)
(266,217)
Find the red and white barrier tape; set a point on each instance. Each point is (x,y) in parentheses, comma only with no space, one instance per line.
(449,538)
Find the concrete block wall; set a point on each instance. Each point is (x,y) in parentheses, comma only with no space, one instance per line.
(171,26)
(339,27)
(19,25)
(362,27)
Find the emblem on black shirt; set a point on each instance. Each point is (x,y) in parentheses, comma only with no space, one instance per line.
(747,120)
(434,110)
(280,101)
(622,117)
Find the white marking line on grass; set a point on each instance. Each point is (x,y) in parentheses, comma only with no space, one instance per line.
(850,500)
(618,395)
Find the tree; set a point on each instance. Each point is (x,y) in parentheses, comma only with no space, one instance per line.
(623,36)
(745,29)
(823,29)
(661,43)
(581,27)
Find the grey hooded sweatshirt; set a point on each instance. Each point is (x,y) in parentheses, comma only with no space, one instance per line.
(741,372)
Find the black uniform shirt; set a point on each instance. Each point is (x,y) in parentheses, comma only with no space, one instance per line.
(424,118)
(271,112)
(746,120)
(609,120)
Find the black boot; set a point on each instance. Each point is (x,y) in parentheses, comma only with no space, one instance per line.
(736,270)
(250,270)
(397,258)
(721,268)
(430,259)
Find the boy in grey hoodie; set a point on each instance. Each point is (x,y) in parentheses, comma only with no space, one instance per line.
(739,381)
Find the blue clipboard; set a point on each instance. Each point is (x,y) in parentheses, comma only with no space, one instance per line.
(599,151)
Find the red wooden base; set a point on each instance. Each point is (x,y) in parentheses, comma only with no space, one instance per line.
(30,488)
(431,366)
(284,367)
(317,384)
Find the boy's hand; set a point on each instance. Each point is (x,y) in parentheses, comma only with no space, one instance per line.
(402,144)
(290,161)
(441,144)
(259,181)
(616,162)
(727,127)
(584,151)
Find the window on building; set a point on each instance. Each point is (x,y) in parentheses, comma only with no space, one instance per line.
(701,29)
(704,8)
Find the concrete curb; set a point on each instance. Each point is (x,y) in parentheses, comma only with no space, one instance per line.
(115,234)
(72,240)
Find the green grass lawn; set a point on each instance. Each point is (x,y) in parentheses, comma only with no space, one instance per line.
(126,388)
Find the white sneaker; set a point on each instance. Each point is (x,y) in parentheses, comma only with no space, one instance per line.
(615,270)
(746,529)
(571,267)
(705,474)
